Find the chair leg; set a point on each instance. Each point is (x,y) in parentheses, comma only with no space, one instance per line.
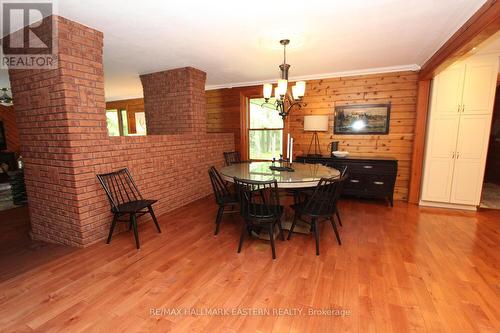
(112,228)
(154,218)
(218,219)
(335,230)
(242,237)
(271,238)
(136,233)
(295,216)
(282,233)
(338,216)
(316,234)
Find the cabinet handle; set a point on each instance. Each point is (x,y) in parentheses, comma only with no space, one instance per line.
(378,183)
(367,166)
(354,180)
(458,155)
(453,156)
(458,110)
(463,108)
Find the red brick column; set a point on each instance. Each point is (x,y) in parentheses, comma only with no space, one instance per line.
(59,113)
(174,101)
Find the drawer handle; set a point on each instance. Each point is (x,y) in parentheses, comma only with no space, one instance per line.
(378,183)
(367,166)
(354,180)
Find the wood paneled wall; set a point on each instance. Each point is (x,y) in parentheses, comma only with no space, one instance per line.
(223,112)
(132,106)
(399,89)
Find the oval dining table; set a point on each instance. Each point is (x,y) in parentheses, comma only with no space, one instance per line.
(303,176)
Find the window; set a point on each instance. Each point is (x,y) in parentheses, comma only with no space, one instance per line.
(265,133)
(112,122)
(118,122)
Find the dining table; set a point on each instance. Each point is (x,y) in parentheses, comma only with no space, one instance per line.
(303,175)
(299,176)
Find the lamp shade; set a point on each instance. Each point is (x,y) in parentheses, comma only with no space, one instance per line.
(268,90)
(282,87)
(316,123)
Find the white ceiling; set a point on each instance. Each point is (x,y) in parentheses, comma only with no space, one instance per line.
(236,42)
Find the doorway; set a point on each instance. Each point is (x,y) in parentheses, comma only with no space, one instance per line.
(491,187)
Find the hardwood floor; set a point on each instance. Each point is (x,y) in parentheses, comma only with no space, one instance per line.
(403,269)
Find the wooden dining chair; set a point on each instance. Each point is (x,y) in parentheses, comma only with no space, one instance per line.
(342,179)
(260,208)
(223,196)
(232,157)
(125,199)
(320,205)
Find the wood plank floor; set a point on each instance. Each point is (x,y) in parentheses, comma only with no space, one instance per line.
(404,269)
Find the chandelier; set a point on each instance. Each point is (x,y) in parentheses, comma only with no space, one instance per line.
(284,101)
(5,98)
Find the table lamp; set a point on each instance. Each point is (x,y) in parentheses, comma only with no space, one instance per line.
(315,124)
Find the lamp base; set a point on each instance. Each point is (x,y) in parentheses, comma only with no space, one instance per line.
(317,149)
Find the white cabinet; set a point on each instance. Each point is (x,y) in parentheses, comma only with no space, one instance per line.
(439,167)
(458,131)
(472,146)
(447,90)
(479,87)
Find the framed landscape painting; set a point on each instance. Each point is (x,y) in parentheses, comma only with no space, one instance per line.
(362,119)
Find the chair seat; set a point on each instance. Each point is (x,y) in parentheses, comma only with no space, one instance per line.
(229,199)
(302,208)
(135,206)
(263,214)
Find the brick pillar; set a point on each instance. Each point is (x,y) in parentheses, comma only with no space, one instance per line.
(60,114)
(174,101)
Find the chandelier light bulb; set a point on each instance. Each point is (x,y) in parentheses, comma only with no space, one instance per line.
(268,90)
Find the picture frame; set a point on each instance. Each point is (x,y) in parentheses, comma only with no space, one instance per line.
(362,119)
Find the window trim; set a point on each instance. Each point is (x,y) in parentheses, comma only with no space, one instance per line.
(120,119)
(282,129)
(245,95)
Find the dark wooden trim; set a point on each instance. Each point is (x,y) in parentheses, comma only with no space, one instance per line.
(483,24)
(419,141)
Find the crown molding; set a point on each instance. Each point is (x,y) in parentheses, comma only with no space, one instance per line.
(122,98)
(367,71)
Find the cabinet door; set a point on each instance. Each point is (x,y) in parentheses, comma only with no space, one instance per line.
(479,87)
(472,146)
(439,162)
(447,91)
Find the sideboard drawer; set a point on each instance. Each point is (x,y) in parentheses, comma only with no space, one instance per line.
(372,168)
(355,182)
(380,183)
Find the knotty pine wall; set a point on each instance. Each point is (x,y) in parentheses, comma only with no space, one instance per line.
(399,89)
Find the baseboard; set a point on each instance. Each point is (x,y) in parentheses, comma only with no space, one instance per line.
(447,205)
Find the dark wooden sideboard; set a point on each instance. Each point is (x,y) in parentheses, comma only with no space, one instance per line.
(368,177)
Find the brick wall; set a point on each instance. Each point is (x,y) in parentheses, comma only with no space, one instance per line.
(8,117)
(174,101)
(62,124)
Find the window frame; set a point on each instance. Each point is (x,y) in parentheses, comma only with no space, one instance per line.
(119,113)
(248,129)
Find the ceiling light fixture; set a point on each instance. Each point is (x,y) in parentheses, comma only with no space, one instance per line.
(284,101)
(5,98)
